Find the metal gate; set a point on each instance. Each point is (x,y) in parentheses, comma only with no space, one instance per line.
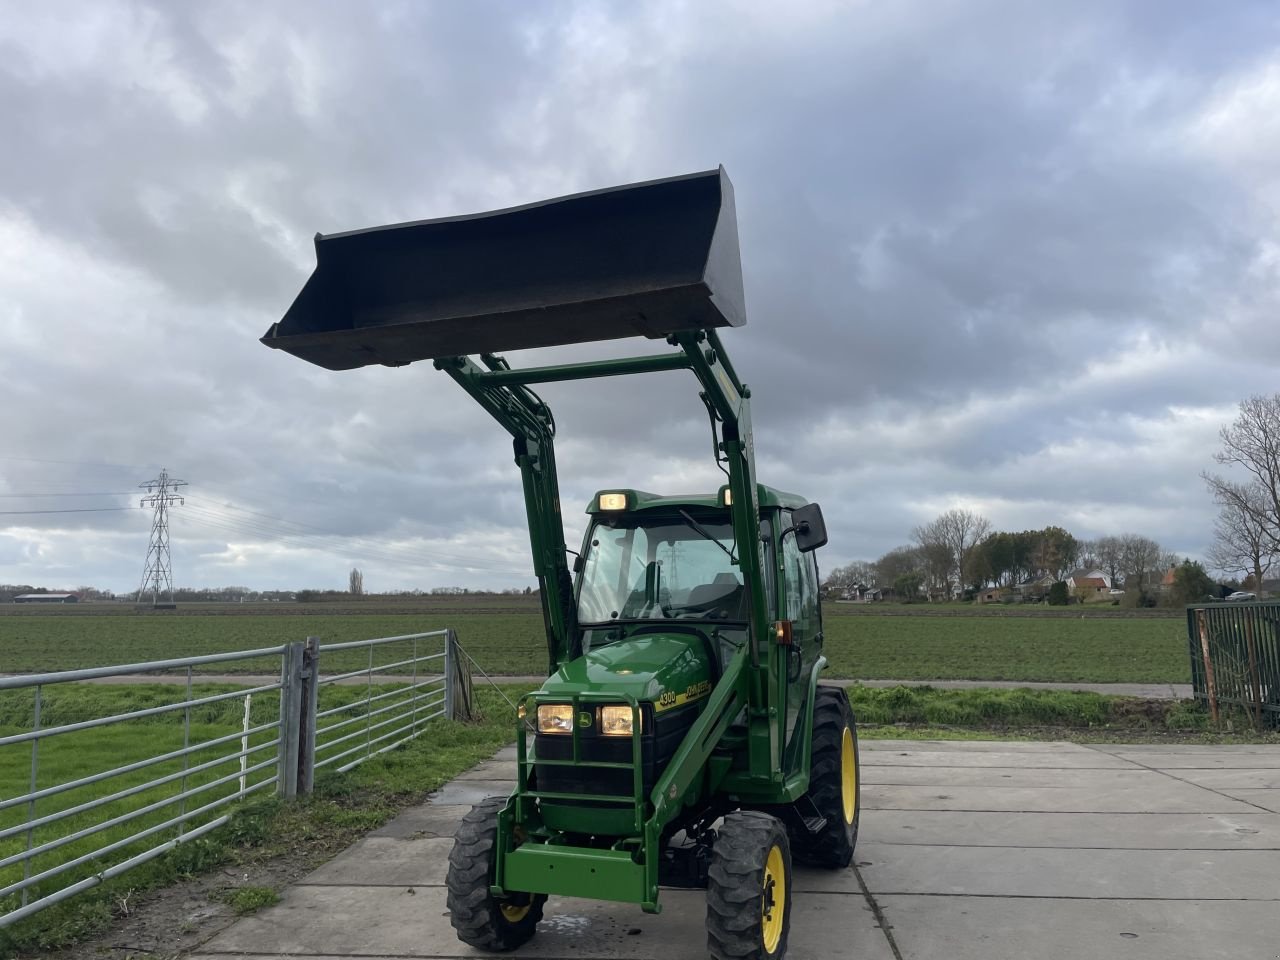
(163,774)
(1235,658)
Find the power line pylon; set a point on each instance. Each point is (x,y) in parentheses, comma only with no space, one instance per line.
(157,577)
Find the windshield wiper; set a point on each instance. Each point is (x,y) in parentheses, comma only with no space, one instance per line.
(705,533)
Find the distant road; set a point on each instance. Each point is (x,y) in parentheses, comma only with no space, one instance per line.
(1147,691)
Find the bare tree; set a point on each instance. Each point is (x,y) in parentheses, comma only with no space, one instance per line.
(1252,443)
(1055,552)
(1139,556)
(938,567)
(956,532)
(1110,554)
(899,561)
(1242,543)
(355,582)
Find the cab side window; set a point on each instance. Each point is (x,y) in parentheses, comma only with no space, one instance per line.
(814,590)
(799,587)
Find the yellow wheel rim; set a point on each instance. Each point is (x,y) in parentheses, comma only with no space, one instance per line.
(848,776)
(514,913)
(773,902)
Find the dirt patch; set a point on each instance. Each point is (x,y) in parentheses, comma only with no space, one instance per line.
(173,920)
(176,920)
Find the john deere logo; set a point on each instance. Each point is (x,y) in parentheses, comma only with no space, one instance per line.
(584,718)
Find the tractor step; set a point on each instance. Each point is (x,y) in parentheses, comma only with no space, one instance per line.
(815,825)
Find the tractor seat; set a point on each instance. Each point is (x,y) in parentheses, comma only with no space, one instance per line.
(724,593)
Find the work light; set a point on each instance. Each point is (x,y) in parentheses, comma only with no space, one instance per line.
(616,721)
(613,501)
(555,718)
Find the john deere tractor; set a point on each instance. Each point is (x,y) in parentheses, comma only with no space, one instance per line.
(681,738)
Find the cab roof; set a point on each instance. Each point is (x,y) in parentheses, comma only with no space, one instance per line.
(640,500)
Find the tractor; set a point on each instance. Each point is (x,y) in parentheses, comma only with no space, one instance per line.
(681,738)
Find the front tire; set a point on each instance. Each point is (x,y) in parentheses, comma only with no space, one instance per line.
(835,783)
(480,919)
(749,888)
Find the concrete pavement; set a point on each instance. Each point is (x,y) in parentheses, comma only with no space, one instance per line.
(968,851)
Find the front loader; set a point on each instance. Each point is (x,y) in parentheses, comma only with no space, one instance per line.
(681,738)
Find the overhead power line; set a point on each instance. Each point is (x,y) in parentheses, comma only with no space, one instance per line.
(32,496)
(74,463)
(14,513)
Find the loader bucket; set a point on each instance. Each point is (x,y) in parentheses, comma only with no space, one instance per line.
(648,259)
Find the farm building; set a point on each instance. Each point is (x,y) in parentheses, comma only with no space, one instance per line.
(46,598)
(1086,585)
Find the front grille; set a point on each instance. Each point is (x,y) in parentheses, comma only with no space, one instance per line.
(660,738)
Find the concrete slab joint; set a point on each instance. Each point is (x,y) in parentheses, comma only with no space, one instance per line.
(968,851)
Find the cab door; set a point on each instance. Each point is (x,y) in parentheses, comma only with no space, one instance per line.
(799,603)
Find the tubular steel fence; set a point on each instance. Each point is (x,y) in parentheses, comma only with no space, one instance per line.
(1235,658)
(105,792)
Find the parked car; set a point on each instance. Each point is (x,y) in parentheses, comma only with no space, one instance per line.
(1241,595)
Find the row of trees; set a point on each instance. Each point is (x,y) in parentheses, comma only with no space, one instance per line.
(958,551)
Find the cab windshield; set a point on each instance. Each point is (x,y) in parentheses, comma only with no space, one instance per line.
(659,569)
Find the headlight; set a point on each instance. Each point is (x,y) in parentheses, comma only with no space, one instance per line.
(555,718)
(616,721)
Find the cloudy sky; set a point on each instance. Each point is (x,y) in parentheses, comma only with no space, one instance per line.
(1020,258)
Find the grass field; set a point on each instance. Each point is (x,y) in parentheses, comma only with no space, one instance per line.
(505,636)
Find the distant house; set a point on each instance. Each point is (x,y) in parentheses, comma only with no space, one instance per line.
(861,594)
(993,594)
(1034,589)
(1091,573)
(1086,585)
(46,598)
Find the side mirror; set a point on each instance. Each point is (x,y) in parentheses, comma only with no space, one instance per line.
(811,532)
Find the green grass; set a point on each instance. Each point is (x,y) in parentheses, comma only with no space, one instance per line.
(900,645)
(1100,650)
(510,642)
(246,900)
(1024,714)
(343,807)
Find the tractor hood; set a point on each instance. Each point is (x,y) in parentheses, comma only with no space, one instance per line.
(665,669)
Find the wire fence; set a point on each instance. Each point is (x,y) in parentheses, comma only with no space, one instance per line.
(90,791)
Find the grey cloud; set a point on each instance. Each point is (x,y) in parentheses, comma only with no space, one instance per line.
(950,215)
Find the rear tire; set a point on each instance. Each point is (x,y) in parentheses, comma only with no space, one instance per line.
(749,889)
(835,783)
(481,919)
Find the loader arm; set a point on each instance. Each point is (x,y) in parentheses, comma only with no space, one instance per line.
(529,421)
(504,393)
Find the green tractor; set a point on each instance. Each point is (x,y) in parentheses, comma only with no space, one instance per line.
(681,738)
